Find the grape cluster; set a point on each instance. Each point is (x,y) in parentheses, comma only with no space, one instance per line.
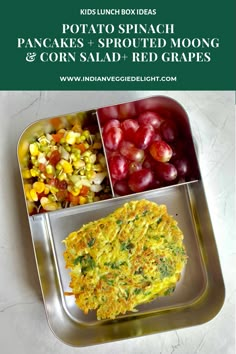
(146,147)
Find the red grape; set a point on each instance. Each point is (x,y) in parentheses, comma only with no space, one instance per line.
(160,151)
(150,118)
(118,167)
(134,166)
(110,124)
(182,166)
(169,130)
(178,148)
(141,180)
(166,171)
(112,138)
(129,127)
(121,187)
(110,153)
(126,110)
(132,153)
(149,162)
(157,137)
(107,113)
(143,136)
(156,184)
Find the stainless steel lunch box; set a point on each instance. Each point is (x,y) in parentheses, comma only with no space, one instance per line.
(200,293)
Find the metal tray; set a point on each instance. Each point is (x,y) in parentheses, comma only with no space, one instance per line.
(198,297)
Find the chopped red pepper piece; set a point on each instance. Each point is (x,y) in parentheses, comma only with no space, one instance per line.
(84,191)
(81,147)
(57,137)
(55,157)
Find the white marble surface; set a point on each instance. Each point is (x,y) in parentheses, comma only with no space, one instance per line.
(23,324)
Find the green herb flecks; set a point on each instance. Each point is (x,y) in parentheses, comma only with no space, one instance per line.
(126,246)
(91,242)
(165,268)
(139,271)
(169,291)
(137,291)
(115,265)
(86,261)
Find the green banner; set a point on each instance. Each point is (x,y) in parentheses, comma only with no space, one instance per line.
(83,45)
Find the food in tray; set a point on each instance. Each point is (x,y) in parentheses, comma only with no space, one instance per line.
(147,146)
(65,167)
(125,259)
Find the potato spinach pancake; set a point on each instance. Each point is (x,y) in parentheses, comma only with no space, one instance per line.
(125,259)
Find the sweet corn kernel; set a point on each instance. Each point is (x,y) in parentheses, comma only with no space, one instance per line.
(52,198)
(74,191)
(86,133)
(34,173)
(79,164)
(47,204)
(50,169)
(39,187)
(34,150)
(59,166)
(68,148)
(33,159)
(26,174)
(90,175)
(44,201)
(88,166)
(28,196)
(34,195)
(87,153)
(27,189)
(73,157)
(70,138)
(82,200)
(53,189)
(46,190)
(67,167)
(30,206)
(62,176)
(80,139)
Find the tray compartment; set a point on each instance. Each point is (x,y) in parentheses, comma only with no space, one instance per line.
(65,155)
(199,294)
(165,122)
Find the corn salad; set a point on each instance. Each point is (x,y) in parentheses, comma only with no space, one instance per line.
(65,168)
